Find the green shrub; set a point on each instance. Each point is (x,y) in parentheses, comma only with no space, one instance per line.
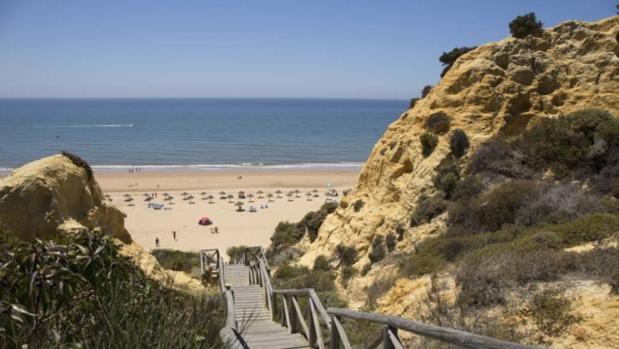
(525,25)
(438,123)
(79,162)
(426,89)
(377,251)
(596,263)
(366,269)
(428,207)
(552,312)
(318,280)
(313,220)
(235,252)
(347,273)
(468,188)
(399,230)
(390,242)
(447,176)
(287,271)
(177,260)
(321,263)
(412,103)
(458,143)
(428,143)
(358,205)
(377,289)
(286,234)
(449,58)
(593,227)
(346,254)
(500,158)
(80,292)
(418,264)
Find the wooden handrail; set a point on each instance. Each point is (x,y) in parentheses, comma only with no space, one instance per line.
(292,317)
(448,335)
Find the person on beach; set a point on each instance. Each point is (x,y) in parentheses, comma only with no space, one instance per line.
(174,234)
(157,242)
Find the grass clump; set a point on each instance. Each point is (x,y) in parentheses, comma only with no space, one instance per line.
(79,162)
(177,260)
(358,205)
(377,250)
(449,58)
(425,90)
(390,242)
(428,143)
(80,292)
(458,143)
(346,254)
(427,208)
(552,312)
(321,263)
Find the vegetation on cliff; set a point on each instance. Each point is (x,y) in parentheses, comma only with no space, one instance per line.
(79,291)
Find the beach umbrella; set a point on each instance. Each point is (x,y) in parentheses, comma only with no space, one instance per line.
(222,193)
(250,196)
(184,193)
(239,204)
(146,194)
(270,196)
(278,191)
(129,199)
(203,195)
(210,199)
(126,195)
(149,198)
(309,196)
(166,194)
(315,191)
(289,195)
(230,197)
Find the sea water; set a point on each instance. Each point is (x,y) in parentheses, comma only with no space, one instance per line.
(195,133)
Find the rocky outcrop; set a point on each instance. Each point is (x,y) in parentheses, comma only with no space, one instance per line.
(53,196)
(493,91)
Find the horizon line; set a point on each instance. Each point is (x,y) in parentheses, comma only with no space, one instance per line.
(206,97)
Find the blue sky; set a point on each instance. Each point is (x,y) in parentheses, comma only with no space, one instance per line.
(251,48)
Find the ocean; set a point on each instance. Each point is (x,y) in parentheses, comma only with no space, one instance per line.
(195,133)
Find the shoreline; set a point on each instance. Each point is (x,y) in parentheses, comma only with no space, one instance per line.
(265,178)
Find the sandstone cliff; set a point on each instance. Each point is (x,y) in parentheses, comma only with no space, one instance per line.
(53,196)
(494,91)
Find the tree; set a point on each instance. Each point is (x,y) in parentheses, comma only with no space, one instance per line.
(412,103)
(449,58)
(525,25)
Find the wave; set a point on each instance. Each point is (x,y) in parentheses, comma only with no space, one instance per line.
(67,126)
(215,167)
(231,166)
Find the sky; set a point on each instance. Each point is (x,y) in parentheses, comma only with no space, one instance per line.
(385,49)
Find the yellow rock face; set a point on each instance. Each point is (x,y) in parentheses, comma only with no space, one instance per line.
(497,89)
(53,196)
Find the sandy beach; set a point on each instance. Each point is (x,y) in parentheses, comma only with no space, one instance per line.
(235,228)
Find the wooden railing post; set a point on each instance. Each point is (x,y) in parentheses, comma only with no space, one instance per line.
(335,336)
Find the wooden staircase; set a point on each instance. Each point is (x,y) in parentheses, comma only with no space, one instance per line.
(258,316)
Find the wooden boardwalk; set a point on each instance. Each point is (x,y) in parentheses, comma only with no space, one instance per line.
(253,316)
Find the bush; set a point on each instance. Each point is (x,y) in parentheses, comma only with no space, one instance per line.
(447,176)
(347,273)
(287,271)
(313,220)
(427,208)
(177,260)
(428,143)
(235,252)
(581,144)
(79,162)
(390,242)
(449,58)
(458,143)
(399,230)
(80,292)
(438,123)
(379,287)
(552,312)
(346,254)
(320,281)
(321,263)
(499,157)
(426,89)
(525,25)
(412,103)
(358,205)
(286,234)
(377,252)
(468,188)
(596,263)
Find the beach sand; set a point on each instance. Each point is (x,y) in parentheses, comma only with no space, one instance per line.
(235,228)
